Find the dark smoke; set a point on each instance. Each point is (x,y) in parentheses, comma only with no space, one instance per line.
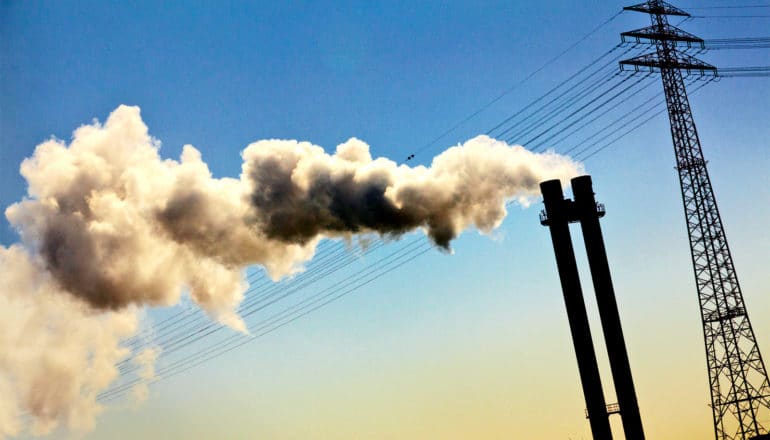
(336,204)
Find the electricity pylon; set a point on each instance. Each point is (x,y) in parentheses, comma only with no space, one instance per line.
(740,392)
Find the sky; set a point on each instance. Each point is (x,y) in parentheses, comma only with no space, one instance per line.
(468,344)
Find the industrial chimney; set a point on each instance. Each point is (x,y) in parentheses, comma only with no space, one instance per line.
(558,214)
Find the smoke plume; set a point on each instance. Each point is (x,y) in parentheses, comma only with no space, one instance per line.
(298,193)
(109,227)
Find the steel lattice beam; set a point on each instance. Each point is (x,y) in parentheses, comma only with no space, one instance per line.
(740,391)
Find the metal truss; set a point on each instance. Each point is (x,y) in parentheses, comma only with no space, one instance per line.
(740,392)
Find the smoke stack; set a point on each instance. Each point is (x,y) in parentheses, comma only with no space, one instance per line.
(558,214)
(589,213)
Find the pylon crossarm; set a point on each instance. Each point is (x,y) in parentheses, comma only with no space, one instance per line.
(681,61)
(666,32)
(657,7)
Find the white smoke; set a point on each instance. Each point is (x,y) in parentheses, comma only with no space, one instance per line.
(56,353)
(109,227)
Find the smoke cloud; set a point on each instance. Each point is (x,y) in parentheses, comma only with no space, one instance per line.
(109,227)
(56,352)
(297,192)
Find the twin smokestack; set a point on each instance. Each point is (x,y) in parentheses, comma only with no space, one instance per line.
(558,214)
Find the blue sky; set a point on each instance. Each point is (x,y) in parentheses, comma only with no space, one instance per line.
(474,343)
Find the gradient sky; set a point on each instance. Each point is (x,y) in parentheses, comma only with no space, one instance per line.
(469,345)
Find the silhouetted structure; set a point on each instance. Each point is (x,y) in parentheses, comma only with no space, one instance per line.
(558,213)
(740,391)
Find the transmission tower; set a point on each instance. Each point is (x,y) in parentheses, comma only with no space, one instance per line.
(740,392)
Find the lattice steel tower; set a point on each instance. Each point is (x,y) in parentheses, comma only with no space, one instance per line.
(740,393)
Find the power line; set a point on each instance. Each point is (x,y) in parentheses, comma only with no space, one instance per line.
(575,95)
(570,98)
(606,111)
(745,71)
(184,363)
(730,16)
(185,316)
(737,43)
(641,123)
(184,338)
(583,69)
(754,6)
(339,289)
(515,86)
(595,108)
(607,127)
(176,343)
(286,313)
